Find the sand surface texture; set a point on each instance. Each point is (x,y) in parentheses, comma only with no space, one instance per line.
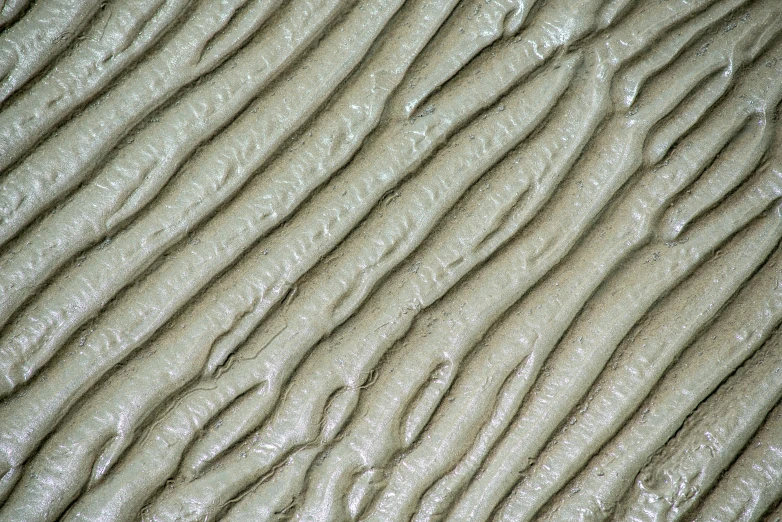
(388,260)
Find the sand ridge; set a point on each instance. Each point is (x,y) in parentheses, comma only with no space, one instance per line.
(390,260)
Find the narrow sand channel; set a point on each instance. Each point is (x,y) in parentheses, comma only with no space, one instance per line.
(390,260)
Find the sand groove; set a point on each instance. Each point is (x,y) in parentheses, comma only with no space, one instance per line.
(390,260)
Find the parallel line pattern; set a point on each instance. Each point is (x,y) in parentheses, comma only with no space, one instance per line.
(390,260)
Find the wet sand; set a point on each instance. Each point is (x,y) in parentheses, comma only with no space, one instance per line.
(390,260)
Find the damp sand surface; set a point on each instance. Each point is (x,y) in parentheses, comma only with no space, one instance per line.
(390,260)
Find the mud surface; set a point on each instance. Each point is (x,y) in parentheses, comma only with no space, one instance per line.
(390,260)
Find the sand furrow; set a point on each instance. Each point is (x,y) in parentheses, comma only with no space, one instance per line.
(102,52)
(68,158)
(390,260)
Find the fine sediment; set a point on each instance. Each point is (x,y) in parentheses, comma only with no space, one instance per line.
(390,260)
